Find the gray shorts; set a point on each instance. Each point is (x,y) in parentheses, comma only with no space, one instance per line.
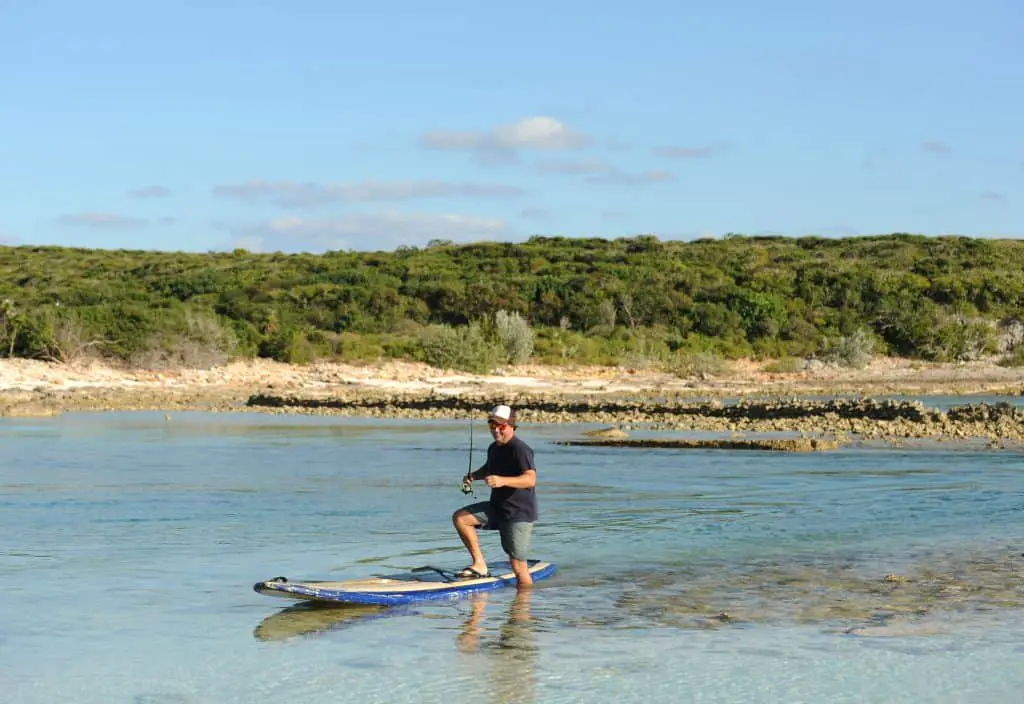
(515,535)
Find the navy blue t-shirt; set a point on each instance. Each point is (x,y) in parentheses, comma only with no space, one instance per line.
(511,460)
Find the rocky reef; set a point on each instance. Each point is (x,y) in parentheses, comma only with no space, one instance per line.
(776,444)
(864,417)
(835,419)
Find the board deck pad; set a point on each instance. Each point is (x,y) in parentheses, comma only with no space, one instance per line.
(420,584)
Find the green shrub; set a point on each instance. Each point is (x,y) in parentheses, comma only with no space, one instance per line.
(963,340)
(353,347)
(247,338)
(1014,359)
(1010,335)
(57,335)
(785,365)
(289,345)
(466,348)
(189,339)
(26,333)
(701,365)
(645,350)
(400,346)
(854,351)
(516,336)
(731,347)
(560,347)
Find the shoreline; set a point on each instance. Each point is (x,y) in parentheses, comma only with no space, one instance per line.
(888,376)
(816,401)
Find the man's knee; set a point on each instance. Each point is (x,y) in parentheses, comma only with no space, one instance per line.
(465,517)
(477,515)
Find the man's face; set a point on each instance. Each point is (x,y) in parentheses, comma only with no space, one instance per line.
(500,431)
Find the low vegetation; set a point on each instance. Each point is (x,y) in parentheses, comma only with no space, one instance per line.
(684,307)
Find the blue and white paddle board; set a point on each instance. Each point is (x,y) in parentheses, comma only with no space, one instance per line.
(420,584)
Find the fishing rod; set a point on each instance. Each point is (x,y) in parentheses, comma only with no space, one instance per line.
(467,481)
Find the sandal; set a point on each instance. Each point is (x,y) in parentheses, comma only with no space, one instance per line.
(470,573)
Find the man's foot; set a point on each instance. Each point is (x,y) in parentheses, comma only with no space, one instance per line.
(473,572)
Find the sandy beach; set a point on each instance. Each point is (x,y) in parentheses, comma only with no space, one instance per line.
(29,387)
(23,379)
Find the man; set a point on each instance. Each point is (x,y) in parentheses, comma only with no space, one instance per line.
(512,508)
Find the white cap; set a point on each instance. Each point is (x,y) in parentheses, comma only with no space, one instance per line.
(502,413)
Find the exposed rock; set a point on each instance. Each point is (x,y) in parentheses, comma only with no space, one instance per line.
(776,444)
(863,417)
(607,433)
(29,409)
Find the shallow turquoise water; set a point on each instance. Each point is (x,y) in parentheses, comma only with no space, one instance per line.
(130,544)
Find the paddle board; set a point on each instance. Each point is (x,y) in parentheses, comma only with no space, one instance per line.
(420,584)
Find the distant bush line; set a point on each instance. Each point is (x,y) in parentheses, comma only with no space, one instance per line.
(683,306)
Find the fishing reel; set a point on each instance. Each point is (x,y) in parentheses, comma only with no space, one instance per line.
(467,485)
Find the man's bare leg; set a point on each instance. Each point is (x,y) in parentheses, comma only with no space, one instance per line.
(522,571)
(465,525)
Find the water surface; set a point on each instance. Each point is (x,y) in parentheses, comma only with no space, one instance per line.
(131,542)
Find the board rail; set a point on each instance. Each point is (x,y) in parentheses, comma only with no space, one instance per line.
(420,584)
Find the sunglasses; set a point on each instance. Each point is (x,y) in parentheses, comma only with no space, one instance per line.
(496,424)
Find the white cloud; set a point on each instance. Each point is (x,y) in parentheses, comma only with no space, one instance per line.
(289,194)
(502,141)
(150,192)
(103,220)
(538,133)
(367,231)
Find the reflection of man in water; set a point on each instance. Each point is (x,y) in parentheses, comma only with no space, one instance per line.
(513,651)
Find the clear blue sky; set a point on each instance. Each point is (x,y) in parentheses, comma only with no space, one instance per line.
(310,124)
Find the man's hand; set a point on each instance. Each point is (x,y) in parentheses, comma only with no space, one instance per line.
(494,481)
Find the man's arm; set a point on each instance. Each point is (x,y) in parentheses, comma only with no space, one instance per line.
(523,481)
(479,473)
